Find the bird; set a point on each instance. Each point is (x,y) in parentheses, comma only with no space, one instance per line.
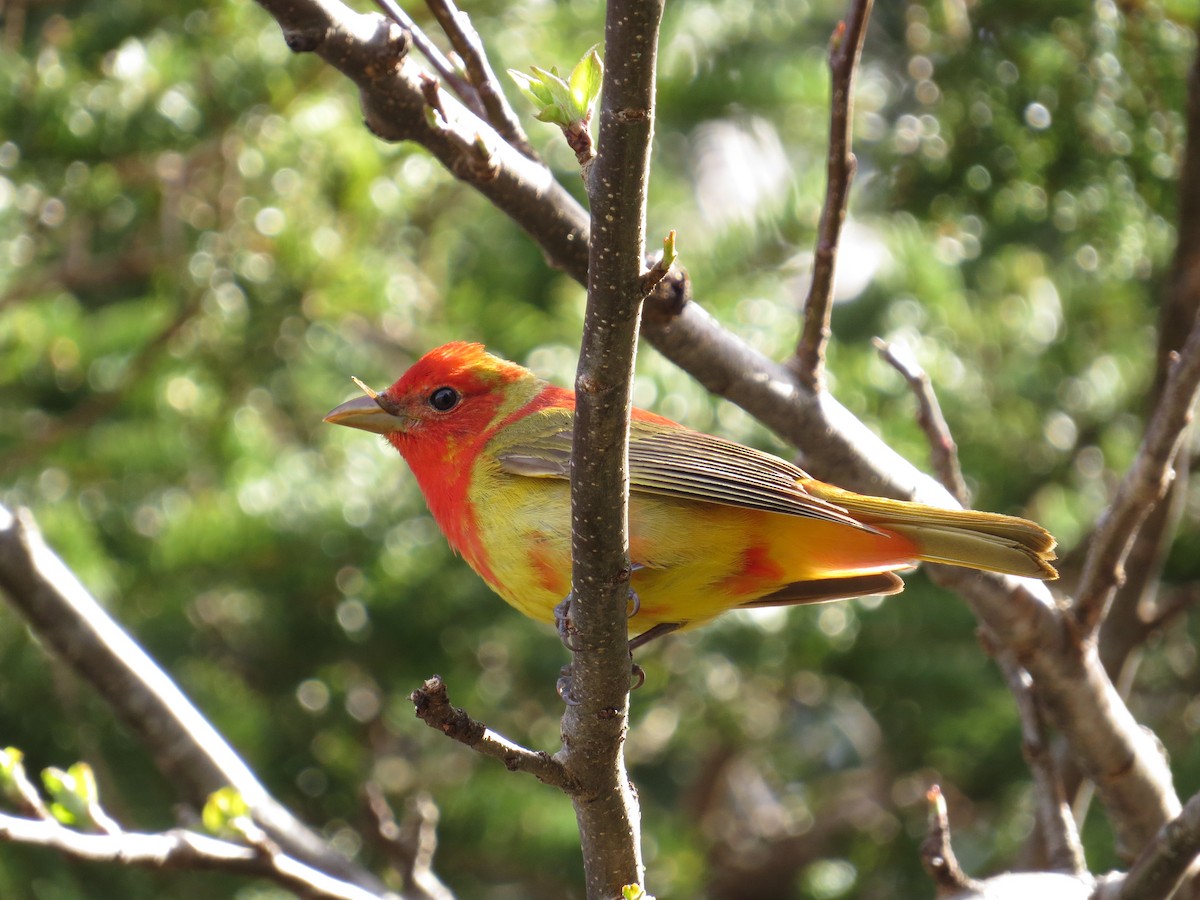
(713,525)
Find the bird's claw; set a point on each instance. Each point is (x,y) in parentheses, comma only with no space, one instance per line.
(639,677)
(567,633)
(564,686)
(635,604)
(562,621)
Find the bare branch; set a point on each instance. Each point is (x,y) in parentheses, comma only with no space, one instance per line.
(845,48)
(1064,852)
(432,702)
(1118,531)
(184,745)
(617,182)
(1143,486)
(1164,863)
(465,38)
(943,452)
(410,846)
(446,70)
(179,849)
(936,853)
(372,52)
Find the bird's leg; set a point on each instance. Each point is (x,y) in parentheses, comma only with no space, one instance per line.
(567,632)
(635,602)
(660,630)
(564,685)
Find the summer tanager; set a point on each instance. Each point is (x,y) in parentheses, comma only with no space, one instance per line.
(713,525)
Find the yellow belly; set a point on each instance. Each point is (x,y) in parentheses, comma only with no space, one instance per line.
(696,560)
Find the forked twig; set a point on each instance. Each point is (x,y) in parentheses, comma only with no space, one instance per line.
(446,70)
(466,41)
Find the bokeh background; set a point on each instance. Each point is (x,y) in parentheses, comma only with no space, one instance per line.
(200,244)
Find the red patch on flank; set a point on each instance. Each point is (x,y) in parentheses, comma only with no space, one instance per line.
(756,574)
(547,566)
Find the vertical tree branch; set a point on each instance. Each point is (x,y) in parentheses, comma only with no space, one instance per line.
(845,48)
(594,730)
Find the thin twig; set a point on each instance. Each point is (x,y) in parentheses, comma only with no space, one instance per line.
(937,856)
(432,702)
(446,70)
(466,42)
(1124,626)
(410,846)
(943,452)
(179,849)
(1144,485)
(661,268)
(845,48)
(1064,852)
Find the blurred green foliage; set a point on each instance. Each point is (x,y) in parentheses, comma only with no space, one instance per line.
(200,243)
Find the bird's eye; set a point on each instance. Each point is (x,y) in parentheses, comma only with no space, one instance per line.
(444,399)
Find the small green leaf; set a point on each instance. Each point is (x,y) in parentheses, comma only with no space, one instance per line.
(12,772)
(223,810)
(634,892)
(72,793)
(585,81)
(566,104)
(531,87)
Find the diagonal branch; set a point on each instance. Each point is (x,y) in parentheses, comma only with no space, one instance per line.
(845,48)
(432,702)
(445,69)
(1164,863)
(1144,485)
(464,37)
(943,452)
(184,745)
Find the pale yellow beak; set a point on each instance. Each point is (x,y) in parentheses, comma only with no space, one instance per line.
(365,413)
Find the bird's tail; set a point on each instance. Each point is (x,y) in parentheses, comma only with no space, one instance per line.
(957,537)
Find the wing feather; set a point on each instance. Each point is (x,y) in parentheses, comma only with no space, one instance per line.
(689,465)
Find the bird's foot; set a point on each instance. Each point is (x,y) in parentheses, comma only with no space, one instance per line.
(566,628)
(634,606)
(564,686)
(638,674)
